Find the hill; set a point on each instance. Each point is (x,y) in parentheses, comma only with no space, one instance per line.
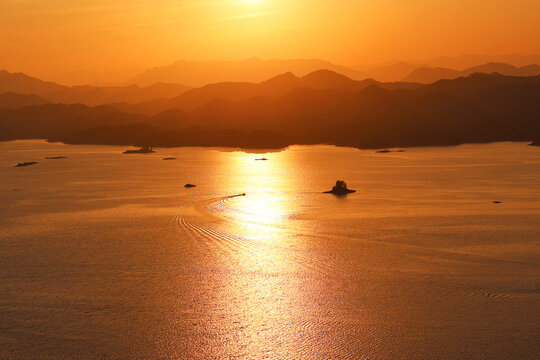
(200,73)
(23,84)
(478,108)
(427,75)
(12,100)
(469,60)
(89,95)
(275,87)
(389,72)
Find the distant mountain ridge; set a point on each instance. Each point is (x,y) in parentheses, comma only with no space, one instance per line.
(477,108)
(96,78)
(274,87)
(200,73)
(427,75)
(470,60)
(389,73)
(12,100)
(23,84)
(256,70)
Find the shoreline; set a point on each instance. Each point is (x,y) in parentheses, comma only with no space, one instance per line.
(262,150)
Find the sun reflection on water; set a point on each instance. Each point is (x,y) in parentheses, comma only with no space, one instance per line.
(262,273)
(269,186)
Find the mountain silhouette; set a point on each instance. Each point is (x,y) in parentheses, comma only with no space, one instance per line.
(466,61)
(56,120)
(23,84)
(96,78)
(478,108)
(93,96)
(89,95)
(6,134)
(11,100)
(389,73)
(399,70)
(254,70)
(274,87)
(474,83)
(429,75)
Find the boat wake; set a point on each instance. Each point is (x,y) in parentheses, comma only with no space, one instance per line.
(199,222)
(201,229)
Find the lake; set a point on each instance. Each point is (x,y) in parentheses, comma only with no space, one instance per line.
(108,256)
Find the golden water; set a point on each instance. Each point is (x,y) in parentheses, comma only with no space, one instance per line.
(108,256)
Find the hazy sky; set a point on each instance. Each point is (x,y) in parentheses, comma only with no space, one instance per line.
(54,36)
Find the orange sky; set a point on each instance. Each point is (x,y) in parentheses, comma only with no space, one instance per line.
(56,36)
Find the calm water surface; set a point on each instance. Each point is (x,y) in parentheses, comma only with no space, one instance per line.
(108,256)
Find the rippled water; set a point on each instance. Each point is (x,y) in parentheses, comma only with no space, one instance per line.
(108,256)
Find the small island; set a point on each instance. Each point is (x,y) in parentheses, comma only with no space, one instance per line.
(28,163)
(55,157)
(340,189)
(535,143)
(261,159)
(189,186)
(143,150)
(169,158)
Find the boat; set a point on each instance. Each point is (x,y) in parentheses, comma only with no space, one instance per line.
(27,163)
(340,189)
(143,150)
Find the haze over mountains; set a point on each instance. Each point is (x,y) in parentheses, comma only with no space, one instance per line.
(96,78)
(11,100)
(320,107)
(168,82)
(426,75)
(199,73)
(291,102)
(468,60)
(90,95)
(238,91)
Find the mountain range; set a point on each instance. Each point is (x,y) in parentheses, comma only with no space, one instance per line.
(427,75)
(11,100)
(321,107)
(23,84)
(200,73)
(469,60)
(275,87)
